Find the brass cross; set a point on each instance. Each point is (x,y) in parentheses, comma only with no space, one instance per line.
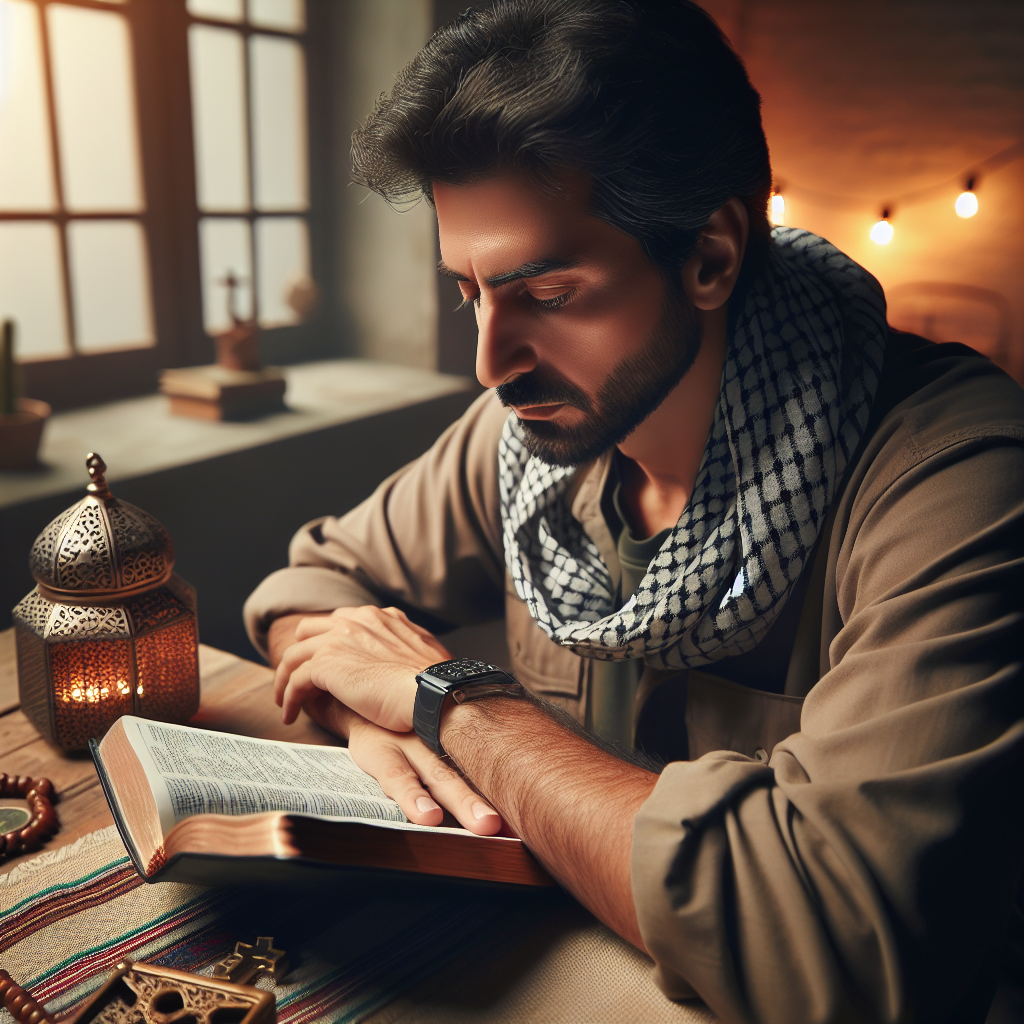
(232,282)
(248,962)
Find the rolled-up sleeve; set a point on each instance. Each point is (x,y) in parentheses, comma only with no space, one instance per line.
(867,872)
(428,539)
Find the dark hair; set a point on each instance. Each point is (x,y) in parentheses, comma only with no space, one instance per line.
(645,96)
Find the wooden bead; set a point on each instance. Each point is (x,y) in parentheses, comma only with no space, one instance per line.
(43,823)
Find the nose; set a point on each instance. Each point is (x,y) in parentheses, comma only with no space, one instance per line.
(503,348)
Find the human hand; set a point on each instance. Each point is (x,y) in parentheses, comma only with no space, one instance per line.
(407,770)
(365,657)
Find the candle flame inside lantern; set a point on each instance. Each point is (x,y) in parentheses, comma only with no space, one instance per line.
(84,693)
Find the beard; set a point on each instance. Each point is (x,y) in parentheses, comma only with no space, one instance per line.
(636,386)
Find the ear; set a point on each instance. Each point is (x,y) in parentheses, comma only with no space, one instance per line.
(710,274)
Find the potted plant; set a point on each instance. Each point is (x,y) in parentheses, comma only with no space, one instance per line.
(21,419)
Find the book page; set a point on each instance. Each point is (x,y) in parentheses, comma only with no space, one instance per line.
(195,771)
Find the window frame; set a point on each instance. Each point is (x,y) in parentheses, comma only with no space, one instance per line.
(170,220)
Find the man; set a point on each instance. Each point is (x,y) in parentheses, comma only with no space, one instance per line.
(731,517)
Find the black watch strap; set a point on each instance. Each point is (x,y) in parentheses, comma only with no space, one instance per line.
(461,680)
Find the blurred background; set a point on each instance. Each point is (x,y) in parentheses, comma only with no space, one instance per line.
(150,148)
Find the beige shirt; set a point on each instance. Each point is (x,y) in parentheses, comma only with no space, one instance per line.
(846,839)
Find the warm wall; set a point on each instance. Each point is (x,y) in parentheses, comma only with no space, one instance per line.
(871,100)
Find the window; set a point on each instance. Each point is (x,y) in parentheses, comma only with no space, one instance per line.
(74,266)
(248,85)
(147,150)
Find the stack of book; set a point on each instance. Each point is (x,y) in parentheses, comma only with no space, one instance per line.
(218,393)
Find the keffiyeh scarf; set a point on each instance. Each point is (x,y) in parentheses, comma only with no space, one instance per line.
(801,371)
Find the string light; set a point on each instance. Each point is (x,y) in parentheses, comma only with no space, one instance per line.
(881,233)
(966,204)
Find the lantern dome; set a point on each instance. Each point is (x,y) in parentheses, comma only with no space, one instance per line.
(101,548)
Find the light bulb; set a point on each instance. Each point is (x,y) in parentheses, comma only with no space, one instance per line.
(882,232)
(966,204)
(778,209)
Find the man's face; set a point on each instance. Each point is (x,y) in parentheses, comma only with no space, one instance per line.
(578,332)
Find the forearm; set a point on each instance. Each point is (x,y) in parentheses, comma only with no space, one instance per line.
(570,802)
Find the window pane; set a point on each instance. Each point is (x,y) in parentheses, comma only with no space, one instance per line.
(95,100)
(26,170)
(30,288)
(278,76)
(224,245)
(286,15)
(216,60)
(109,284)
(282,260)
(222,10)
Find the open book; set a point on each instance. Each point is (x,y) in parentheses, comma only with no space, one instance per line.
(213,808)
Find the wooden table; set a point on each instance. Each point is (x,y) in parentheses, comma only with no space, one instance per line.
(236,697)
(549,961)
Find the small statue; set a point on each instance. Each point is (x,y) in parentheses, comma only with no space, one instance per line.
(238,346)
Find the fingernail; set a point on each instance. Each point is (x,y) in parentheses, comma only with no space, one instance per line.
(481,810)
(424,804)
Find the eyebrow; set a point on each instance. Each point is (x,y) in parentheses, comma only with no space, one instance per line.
(534,269)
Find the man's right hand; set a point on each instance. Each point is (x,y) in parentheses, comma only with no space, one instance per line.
(407,770)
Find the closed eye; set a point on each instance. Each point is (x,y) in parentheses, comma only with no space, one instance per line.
(557,301)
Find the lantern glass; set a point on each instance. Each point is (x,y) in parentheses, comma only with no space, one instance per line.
(166,659)
(91,687)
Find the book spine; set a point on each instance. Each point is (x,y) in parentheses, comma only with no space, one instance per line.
(115,810)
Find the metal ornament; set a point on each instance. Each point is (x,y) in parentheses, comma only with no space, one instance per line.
(139,993)
(109,629)
(248,962)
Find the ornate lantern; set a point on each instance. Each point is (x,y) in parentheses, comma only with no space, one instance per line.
(110,629)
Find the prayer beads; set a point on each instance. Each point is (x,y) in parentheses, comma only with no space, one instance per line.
(43,822)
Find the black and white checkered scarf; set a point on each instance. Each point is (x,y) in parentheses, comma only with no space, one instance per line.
(800,375)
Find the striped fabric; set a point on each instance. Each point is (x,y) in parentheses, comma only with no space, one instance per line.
(68,917)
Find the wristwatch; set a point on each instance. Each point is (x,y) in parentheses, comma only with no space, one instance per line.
(460,680)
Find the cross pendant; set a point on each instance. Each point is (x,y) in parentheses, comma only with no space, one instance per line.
(248,962)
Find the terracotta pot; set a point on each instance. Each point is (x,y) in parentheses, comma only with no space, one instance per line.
(20,434)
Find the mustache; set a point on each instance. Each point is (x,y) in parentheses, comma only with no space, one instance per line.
(534,389)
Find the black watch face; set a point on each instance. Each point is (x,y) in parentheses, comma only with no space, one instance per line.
(463,670)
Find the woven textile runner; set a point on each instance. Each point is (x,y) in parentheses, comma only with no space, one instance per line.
(67,917)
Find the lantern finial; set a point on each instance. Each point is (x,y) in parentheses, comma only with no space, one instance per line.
(97,481)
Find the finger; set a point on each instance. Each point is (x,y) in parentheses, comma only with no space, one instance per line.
(420,641)
(377,754)
(313,625)
(294,655)
(300,686)
(424,634)
(449,789)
